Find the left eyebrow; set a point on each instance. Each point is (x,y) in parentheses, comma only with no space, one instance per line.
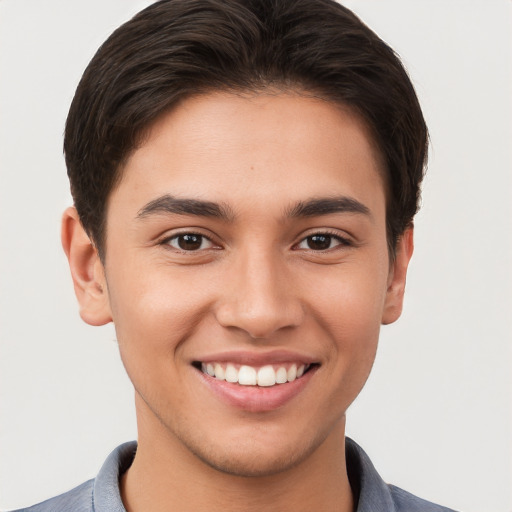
(168,204)
(326,206)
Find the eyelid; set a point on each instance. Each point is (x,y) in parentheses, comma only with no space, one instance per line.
(165,239)
(344,240)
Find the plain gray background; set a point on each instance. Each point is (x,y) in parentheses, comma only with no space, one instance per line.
(435,416)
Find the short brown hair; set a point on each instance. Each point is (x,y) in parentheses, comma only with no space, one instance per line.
(177,48)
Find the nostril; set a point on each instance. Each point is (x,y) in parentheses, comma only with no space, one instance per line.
(259,323)
(260,304)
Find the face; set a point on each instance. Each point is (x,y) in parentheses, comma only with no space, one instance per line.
(247,275)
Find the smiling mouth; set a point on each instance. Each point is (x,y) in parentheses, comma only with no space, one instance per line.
(263,376)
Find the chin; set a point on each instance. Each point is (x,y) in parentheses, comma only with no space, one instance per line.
(250,461)
(254,456)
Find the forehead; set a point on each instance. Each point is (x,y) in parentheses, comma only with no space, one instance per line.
(253,147)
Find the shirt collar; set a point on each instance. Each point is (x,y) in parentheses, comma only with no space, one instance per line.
(371,493)
(106,493)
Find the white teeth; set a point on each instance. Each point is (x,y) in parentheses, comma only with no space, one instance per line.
(281,375)
(266,376)
(231,373)
(219,372)
(292,373)
(247,376)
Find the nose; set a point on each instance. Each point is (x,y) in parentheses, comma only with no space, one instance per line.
(259,297)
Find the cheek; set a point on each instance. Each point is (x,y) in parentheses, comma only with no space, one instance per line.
(350,311)
(153,313)
(153,317)
(351,301)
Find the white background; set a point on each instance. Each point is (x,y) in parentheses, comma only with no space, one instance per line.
(435,416)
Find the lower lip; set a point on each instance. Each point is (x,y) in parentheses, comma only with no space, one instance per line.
(256,398)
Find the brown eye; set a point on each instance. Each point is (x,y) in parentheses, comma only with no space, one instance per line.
(189,242)
(322,242)
(319,242)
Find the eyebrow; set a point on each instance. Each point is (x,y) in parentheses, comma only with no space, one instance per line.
(169,204)
(326,206)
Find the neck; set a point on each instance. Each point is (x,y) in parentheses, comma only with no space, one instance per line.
(165,476)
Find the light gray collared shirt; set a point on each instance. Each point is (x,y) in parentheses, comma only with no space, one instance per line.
(102,493)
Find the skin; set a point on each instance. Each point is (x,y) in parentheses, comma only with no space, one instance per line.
(257,283)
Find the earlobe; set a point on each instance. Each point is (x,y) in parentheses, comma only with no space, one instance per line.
(86,270)
(397,278)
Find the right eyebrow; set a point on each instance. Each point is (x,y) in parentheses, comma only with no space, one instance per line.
(328,205)
(167,204)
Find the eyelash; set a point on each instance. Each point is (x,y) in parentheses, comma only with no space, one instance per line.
(167,241)
(342,241)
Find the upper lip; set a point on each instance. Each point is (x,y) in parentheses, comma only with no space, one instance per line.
(252,358)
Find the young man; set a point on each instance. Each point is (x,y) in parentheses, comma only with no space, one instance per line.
(245,176)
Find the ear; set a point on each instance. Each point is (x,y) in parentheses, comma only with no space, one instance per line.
(397,277)
(86,270)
